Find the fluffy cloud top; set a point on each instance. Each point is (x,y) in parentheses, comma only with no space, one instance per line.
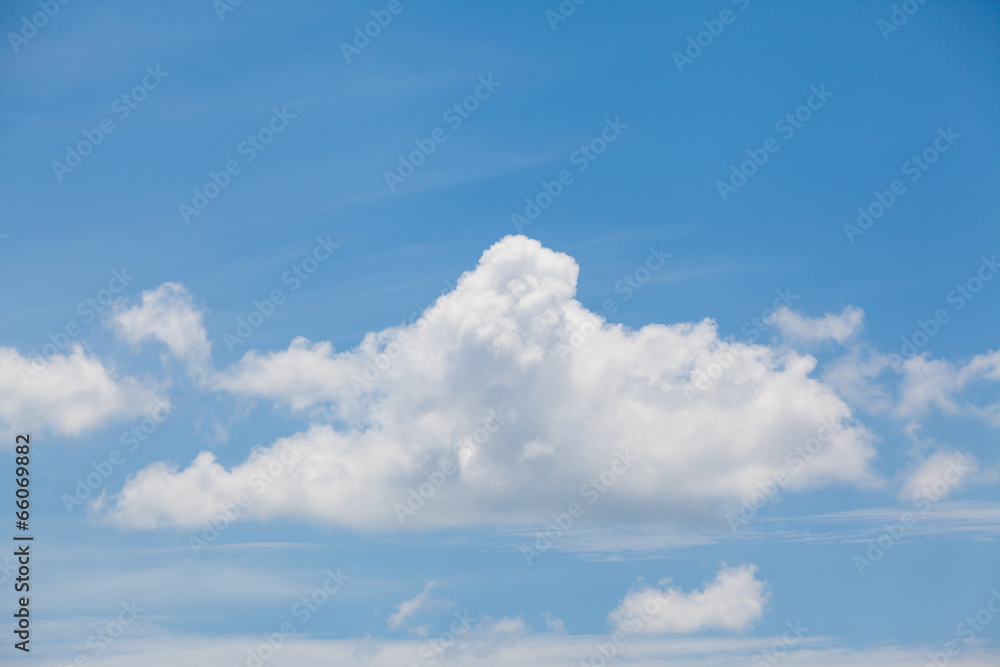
(504,402)
(69,393)
(168,315)
(734,601)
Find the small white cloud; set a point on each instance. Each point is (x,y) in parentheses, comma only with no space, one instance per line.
(410,607)
(796,328)
(734,601)
(167,314)
(935,477)
(554,624)
(938,383)
(926,383)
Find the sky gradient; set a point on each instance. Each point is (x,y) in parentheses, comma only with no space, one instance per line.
(528,322)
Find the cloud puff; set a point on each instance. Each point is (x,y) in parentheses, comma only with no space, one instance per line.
(408,608)
(502,402)
(167,314)
(69,393)
(938,383)
(935,477)
(795,327)
(554,624)
(733,601)
(302,376)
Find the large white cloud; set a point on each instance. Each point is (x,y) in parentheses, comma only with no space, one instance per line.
(733,601)
(509,395)
(69,393)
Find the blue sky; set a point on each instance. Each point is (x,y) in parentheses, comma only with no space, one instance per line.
(636,312)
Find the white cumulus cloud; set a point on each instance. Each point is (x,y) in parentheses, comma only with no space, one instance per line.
(69,393)
(167,314)
(733,601)
(506,396)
